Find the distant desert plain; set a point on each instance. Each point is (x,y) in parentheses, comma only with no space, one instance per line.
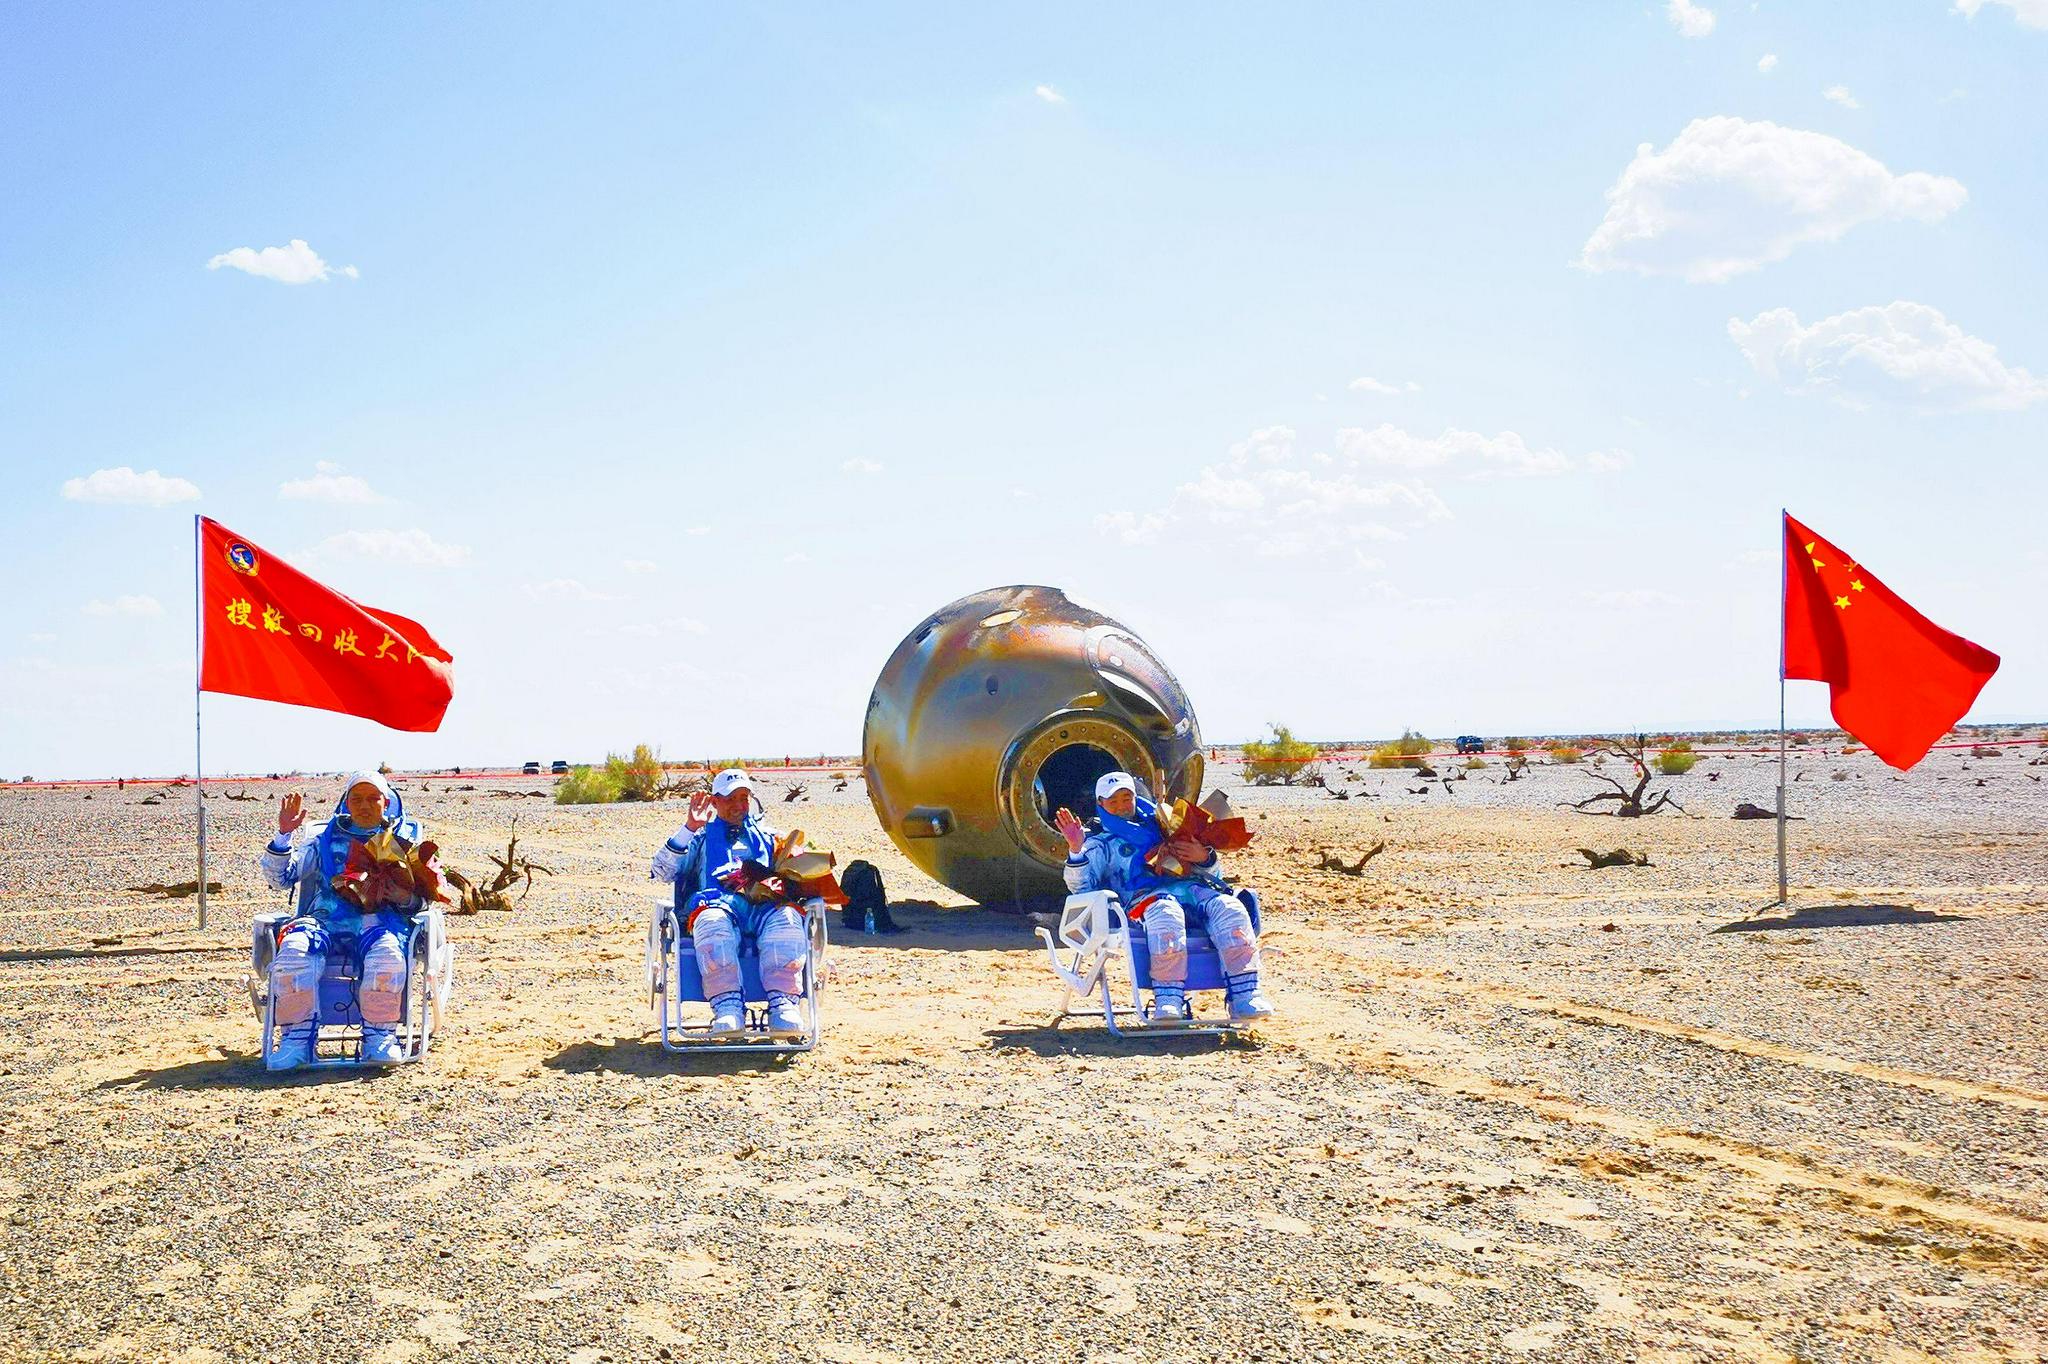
(1512,1108)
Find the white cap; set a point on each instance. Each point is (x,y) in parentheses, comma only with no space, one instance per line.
(1109,783)
(731,780)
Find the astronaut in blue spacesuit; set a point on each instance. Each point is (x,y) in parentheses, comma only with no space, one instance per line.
(309,858)
(1112,856)
(702,858)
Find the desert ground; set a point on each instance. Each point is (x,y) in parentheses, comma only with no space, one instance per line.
(1513,1108)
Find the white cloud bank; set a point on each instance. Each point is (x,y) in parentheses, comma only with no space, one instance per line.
(1368,384)
(1048,94)
(2027,13)
(1691,21)
(142,606)
(150,489)
(1728,196)
(1901,351)
(1287,503)
(296,263)
(328,484)
(414,547)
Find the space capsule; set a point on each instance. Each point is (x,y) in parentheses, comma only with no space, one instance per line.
(999,709)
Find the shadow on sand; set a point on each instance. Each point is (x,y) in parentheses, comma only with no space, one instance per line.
(21,954)
(1840,916)
(926,924)
(643,1057)
(240,1070)
(1082,1038)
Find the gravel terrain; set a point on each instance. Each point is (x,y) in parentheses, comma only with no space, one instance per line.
(1514,1108)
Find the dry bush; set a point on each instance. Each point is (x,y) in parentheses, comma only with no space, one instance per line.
(1514,745)
(1566,753)
(1409,750)
(1474,763)
(1281,760)
(1676,759)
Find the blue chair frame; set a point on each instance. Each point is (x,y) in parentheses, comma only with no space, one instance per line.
(338,1019)
(1096,933)
(673,980)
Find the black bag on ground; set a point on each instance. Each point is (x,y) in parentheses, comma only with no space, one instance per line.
(867,904)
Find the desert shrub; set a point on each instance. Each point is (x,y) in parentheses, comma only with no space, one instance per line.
(1566,753)
(1474,763)
(587,785)
(1514,745)
(1281,760)
(1407,751)
(1676,759)
(640,776)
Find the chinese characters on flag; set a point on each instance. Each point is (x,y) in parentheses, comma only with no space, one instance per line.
(272,633)
(1897,681)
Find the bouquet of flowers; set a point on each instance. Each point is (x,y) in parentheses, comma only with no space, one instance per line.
(383,871)
(1213,824)
(797,873)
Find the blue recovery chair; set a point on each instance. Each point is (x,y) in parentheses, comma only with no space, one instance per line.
(338,1041)
(673,980)
(1095,935)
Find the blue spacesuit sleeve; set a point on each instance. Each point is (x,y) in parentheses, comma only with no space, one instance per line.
(1088,870)
(669,861)
(286,858)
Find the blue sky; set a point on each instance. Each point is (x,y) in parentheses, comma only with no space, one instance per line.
(670,364)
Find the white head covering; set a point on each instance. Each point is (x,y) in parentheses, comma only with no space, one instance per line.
(1109,783)
(392,804)
(729,781)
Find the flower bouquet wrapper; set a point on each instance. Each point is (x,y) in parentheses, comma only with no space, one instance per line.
(1213,824)
(798,874)
(383,872)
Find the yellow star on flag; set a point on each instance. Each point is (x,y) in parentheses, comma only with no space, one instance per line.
(1857,584)
(1842,602)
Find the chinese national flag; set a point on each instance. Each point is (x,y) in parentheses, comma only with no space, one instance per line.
(1897,681)
(273,633)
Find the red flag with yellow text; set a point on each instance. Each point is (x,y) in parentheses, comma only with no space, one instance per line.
(270,632)
(1897,681)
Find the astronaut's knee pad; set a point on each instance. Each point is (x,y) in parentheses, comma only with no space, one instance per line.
(1166,934)
(380,993)
(295,976)
(783,949)
(1230,929)
(717,939)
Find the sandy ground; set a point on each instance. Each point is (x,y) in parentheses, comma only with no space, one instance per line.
(1514,1108)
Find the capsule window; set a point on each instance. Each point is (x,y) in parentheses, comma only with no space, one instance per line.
(1066,779)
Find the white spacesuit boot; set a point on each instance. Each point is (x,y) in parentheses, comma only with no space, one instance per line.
(293,1048)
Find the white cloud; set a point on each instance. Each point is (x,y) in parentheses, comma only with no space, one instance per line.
(1839,94)
(1048,94)
(697,530)
(1767,63)
(150,489)
(867,468)
(1607,461)
(1367,384)
(328,484)
(1729,195)
(656,629)
(1632,599)
(297,263)
(414,547)
(1506,455)
(125,606)
(2027,13)
(1285,504)
(638,565)
(565,589)
(1691,21)
(1898,351)
(796,556)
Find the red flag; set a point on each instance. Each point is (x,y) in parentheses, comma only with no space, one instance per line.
(273,633)
(1897,681)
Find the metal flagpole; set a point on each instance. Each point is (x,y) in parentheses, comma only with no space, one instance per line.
(1782,515)
(199,781)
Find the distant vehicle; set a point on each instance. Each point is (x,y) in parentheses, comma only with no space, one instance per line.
(559,767)
(1471,743)
(531,769)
